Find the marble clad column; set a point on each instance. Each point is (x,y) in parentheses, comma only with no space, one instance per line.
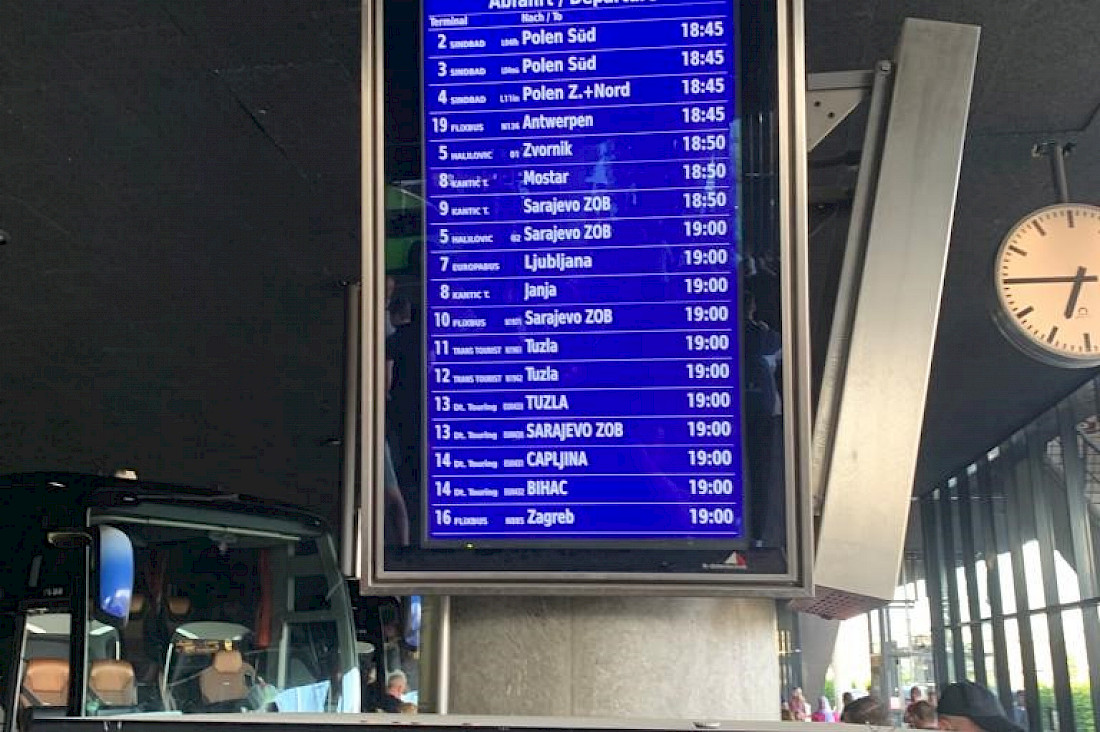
(682,658)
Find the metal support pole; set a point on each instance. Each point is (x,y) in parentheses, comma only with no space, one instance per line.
(1058,168)
(994,539)
(970,522)
(371,424)
(1016,484)
(951,579)
(435,654)
(443,656)
(348,530)
(1057,152)
(933,572)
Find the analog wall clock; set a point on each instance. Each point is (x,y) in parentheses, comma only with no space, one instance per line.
(1047,279)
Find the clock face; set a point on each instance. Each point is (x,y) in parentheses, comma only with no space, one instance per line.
(1048,284)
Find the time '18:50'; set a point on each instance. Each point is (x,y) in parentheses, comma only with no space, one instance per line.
(704,171)
(705,199)
(704,142)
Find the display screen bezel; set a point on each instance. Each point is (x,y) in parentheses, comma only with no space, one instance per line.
(689,567)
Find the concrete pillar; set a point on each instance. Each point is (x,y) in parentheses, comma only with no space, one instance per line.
(683,658)
(818,640)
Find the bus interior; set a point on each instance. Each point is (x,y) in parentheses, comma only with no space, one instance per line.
(244,615)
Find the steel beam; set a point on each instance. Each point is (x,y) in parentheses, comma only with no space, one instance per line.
(993,540)
(1014,453)
(868,479)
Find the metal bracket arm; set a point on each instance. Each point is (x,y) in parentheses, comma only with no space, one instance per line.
(830,98)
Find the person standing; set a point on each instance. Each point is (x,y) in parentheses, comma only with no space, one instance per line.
(824,712)
(800,708)
(1019,709)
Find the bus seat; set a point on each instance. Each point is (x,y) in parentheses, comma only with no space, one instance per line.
(47,679)
(179,606)
(225,679)
(133,640)
(133,633)
(113,682)
(177,612)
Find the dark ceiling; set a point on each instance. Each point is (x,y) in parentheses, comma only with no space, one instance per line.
(180,182)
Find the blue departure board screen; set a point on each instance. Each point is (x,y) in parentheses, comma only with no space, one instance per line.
(582,300)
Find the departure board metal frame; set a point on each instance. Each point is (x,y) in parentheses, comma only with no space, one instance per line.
(503,564)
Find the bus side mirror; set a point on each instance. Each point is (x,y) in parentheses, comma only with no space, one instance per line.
(113,576)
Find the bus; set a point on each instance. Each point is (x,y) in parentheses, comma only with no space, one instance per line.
(123,596)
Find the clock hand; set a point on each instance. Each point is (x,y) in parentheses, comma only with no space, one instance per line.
(1049,280)
(1078,280)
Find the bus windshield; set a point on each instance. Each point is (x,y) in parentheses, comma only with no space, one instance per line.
(242,615)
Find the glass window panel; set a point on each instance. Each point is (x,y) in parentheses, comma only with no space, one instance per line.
(968,651)
(949,646)
(1034,572)
(981,571)
(1044,670)
(958,574)
(1054,455)
(1069,590)
(899,625)
(1090,454)
(1052,514)
(921,618)
(964,601)
(955,568)
(1008,590)
(1015,660)
(1002,521)
(1073,625)
(990,664)
(978,539)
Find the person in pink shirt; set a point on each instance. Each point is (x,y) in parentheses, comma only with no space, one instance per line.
(824,712)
